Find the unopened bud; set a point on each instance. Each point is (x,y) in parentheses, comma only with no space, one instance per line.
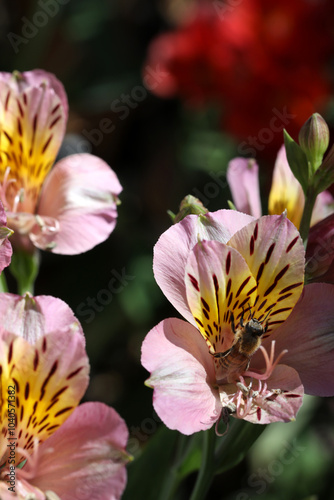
(314,139)
(189,205)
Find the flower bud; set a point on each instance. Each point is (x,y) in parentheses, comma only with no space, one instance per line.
(314,139)
(189,205)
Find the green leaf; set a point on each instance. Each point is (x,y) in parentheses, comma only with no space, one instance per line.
(297,160)
(146,473)
(192,457)
(235,445)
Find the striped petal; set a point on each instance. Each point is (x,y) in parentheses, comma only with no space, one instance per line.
(274,253)
(47,379)
(174,245)
(82,460)
(32,126)
(218,282)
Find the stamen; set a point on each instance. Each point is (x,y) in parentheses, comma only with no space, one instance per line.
(32,462)
(18,199)
(270,363)
(4,187)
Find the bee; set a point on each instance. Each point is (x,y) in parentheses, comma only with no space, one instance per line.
(247,340)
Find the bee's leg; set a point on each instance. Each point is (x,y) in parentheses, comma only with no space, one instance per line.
(265,327)
(222,354)
(242,318)
(232,322)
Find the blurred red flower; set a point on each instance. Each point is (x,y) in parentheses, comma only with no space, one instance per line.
(257,58)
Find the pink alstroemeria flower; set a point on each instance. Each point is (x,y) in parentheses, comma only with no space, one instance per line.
(286,193)
(68,209)
(59,450)
(225,263)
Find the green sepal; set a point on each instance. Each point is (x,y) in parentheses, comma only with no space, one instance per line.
(297,160)
(189,205)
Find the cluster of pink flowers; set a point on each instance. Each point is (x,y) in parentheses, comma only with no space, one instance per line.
(50,447)
(258,307)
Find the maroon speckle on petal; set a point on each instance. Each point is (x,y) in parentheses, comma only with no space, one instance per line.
(228,262)
(284,297)
(228,287)
(256,229)
(205,304)
(242,286)
(251,291)
(269,253)
(251,246)
(205,313)
(258,413)
(262,305)
(278,311)
(7,100)
(197,321)
(10,352)
(291,287)
(292,244)
(260,271)
(194,282)
(56,120)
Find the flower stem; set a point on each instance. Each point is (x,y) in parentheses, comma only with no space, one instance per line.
(307,214)
(3,283)
(24,267)
(207,470)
